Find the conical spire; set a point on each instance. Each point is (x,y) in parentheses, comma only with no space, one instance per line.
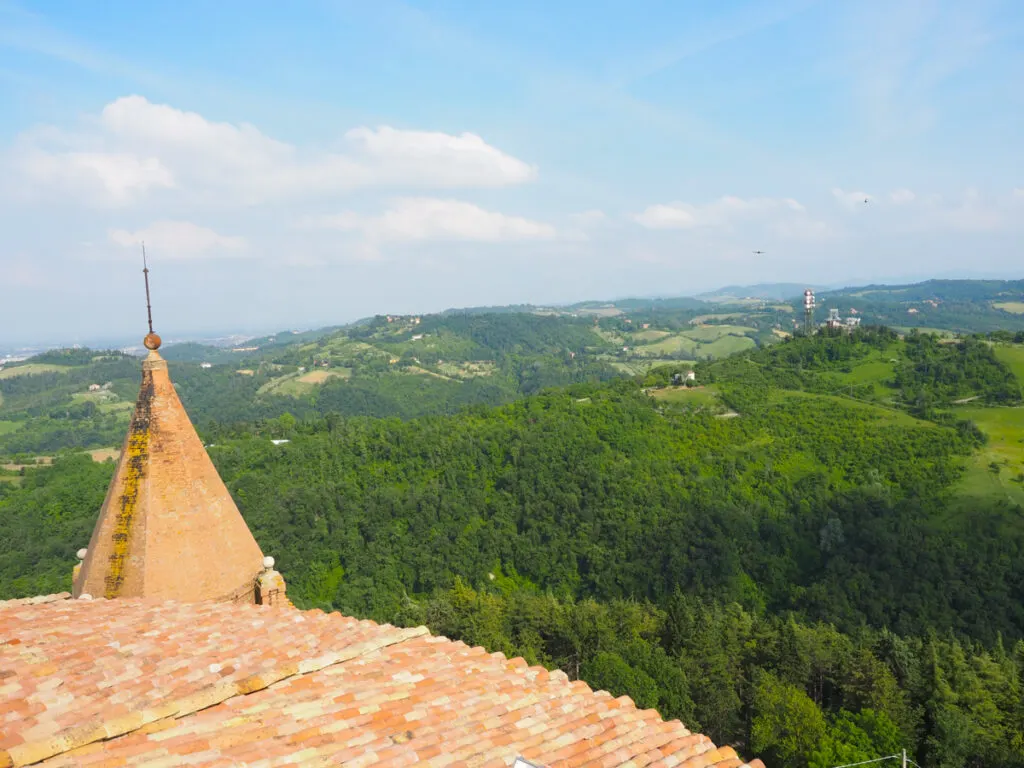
(168,527)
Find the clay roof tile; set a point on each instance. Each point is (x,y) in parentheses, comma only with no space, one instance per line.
(128,681)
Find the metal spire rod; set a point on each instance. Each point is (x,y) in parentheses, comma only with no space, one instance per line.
(145,274)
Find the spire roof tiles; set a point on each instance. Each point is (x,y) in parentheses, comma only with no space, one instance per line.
(168,527)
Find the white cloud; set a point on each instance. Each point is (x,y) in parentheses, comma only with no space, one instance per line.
(670,216)
(119,177)
(851,200)
(782,215)
(902,196)
(972,212)
(178,240)
(587,218)
(900,55)
(423,218)
(581,226)
(437,159)
(803,228)
(136,147)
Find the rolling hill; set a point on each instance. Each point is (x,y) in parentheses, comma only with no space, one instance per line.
(409,366)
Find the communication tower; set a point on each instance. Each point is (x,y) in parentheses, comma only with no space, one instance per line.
(808,311)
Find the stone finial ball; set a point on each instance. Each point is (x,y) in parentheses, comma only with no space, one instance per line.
(152,341)
(268,562)
(82,553)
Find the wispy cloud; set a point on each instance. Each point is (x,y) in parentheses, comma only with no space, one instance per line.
(24,30)
(902,196)
(783,216)
(179,240)
(904,50)
(588,218)
(546,82)
(120,177)
(432,219)
(730,27)
(851,200)
(903,211)
(972,214)
(136,147)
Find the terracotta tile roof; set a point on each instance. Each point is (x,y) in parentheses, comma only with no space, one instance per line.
(130,682)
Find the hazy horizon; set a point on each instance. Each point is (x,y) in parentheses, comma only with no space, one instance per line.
(175,335)
(308,166)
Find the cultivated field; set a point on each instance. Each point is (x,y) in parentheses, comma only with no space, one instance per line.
(649,335)
(35,461)
(726,346)
(695,396)
(469,370)
(1004,450)
(106,402)
(301,384)
(1013,307)
(319,377)
(415,370)
(1012,356)
(668,346)
(708,333)
(31,368)
(876,370)
(698,342)
(720,316)
(637,367)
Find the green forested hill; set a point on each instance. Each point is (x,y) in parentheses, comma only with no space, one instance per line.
(386,366)
(781,556)
(967,306)
(411,366)
(917,372)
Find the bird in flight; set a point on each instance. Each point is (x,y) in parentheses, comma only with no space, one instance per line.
(758,252)
(866,200)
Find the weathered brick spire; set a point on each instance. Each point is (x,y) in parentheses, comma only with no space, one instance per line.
(168,527)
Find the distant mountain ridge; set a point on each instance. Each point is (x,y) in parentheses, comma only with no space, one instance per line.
(985,294)
(773,291)
(947,290)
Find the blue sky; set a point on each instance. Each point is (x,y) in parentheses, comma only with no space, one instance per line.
(300,164)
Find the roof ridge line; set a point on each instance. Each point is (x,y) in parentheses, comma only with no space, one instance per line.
(32,752)
(15,602)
